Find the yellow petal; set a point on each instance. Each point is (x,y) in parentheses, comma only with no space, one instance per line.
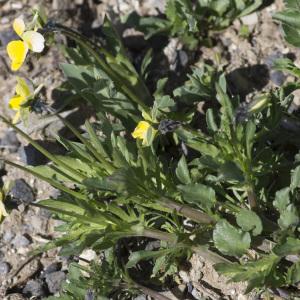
(34,40)
(19,26)
(16,51)
(16,117)
(140,131)
(22,88)
(16,102)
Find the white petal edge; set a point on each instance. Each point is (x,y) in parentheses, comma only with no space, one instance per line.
(34,40)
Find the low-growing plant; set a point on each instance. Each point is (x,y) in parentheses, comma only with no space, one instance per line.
(193,21)
(146,169)
(289,18)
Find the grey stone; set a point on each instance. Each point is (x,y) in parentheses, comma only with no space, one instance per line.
(10,141)
(54,281)
(31,156)
(277,77)
(34,288)
(269,61)
(6,37)
(183,58)
(140,297)
(8,236)
(21,192)
(20,241)
(54,267)
(4,268)
(250,20)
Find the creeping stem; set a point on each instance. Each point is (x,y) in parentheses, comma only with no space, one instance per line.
(100,55)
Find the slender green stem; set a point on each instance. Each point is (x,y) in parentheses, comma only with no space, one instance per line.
(172,239)
(41,149)
(91,48)
(108,166)
(187,211)
(50,181)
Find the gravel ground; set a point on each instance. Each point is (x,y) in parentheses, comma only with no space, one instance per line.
(248,62)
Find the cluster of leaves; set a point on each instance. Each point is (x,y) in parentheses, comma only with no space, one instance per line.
(225,188)
(191,20)
(290,21)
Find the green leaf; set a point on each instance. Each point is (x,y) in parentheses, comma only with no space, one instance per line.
(146,62)
(285,64)
(63,205)
(249,137)
(137,256)
(249,221)
(295,178)
(182,171)
(293,273)
(258,274)
(229,240)
(210,120)
(289,246)
(199,194)
(289,217)
(230,172)
(289,17)
(282,199)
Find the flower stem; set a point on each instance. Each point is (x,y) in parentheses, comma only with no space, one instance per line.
(113,74)
(187,211)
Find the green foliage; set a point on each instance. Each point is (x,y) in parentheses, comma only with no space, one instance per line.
(249,221)
(219,189)
(258,274)
(229,240)
(289,19)
(192,21)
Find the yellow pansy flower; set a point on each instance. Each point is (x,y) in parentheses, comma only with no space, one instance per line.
(17,50)
(142,130)
(23,94)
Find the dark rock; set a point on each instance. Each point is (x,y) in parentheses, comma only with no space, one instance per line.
(21,192)
(31,156)
(34,288)
(20,241)
(4,268)
(10,141)
(54,267)
(277,77)
(54,281)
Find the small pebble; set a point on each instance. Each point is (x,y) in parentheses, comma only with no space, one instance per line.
(251,19)
(20,241)
(54,281)
(10,141)
(34,288)
(54,267)
(277,77)
(4,268)
(7,236)
(21,192)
